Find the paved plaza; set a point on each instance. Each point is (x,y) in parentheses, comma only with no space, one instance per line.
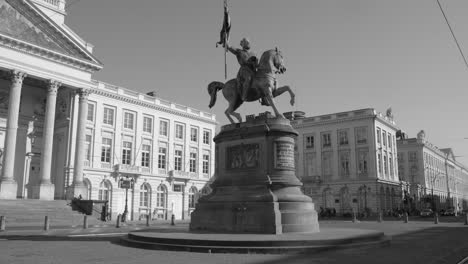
(415,242)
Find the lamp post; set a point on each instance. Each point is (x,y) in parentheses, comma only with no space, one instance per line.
(365,189)
(126,183)
(433,178)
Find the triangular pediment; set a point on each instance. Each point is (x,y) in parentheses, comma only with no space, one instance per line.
(22,21)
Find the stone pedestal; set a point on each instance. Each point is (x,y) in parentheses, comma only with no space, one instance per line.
(8,189)
(43,191)
(256,189)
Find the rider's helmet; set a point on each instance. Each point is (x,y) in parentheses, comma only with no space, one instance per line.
(245,43)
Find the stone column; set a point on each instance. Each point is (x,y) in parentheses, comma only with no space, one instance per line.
(45,189)
(8,185)
(78,187)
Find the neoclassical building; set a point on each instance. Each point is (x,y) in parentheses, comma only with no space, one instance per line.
(432,173)
(63,134)
(347,161)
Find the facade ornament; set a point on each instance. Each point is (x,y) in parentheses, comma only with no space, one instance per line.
(17,77)
(83,93)
(389,113)
(421,135)
(53,86)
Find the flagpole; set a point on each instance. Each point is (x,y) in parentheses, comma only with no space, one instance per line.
(225,47)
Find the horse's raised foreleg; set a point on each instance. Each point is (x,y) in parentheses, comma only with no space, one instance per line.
(282,89)
(271,102)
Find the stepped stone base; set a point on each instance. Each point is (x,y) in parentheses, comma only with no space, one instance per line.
(43,191)
(256,189)
(8,189)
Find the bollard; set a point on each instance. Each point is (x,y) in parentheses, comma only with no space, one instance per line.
(436,218)
(172,219)
(2,223)
(466,219)
(406,217)
(354,217)
(85,221)
(147,220)
(118,221)
(380,217)
(46,223)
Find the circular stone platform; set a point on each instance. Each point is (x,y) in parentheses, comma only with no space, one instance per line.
(326,239)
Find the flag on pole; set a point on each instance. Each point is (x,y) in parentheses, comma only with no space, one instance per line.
(224,34)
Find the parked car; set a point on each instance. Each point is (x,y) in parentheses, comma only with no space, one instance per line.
(426,212)
(449,212)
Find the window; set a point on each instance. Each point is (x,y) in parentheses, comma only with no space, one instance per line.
(88,151)
(344,163)
(326,140)
(178,160)
(191,197)
(384,137)
(362,161)
(206,137)
(106,150)
(194,134)
(378,135)
(412,156)
(161,197)
(108,116)
(309,141)
(179,131)
(310,164)
(401,157)
(145,155)
(193,160)
(129,118)
(379,161)
(327,159)
(162,157)
(163,128)
(361,135)
(343,137)
(126,152)
(177,187)
(390,163)
(104,191)
(90,115)
(145,195)
(389,140)
(206,164)
(385,164)
(147,124)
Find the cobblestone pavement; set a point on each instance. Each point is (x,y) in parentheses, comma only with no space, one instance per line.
(415,242)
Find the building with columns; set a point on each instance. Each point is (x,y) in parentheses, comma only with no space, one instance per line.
(347,161)
(64,135)
(434,174)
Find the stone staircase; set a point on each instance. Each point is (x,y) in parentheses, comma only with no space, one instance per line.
(33,212)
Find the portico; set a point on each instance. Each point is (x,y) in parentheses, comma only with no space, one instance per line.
(44,82)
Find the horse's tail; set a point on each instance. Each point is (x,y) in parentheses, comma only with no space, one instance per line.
(213,89)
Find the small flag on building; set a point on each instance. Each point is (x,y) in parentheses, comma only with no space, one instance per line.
(224,34)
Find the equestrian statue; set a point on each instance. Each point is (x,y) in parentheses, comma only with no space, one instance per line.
(256,80)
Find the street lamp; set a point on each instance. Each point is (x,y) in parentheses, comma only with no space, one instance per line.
(433,178)
(126,183)
(366,189)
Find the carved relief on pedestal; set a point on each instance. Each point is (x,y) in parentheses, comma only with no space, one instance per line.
(244,156)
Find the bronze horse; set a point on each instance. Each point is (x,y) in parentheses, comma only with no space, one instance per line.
(263,86)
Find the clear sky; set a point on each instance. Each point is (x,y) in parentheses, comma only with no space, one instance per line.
(340,55)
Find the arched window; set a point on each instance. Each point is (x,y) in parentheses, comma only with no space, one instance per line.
(87,184)
(191,197)
(160,212)
(105,191)
(145,195)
